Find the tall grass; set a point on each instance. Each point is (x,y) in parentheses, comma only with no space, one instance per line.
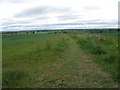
(48,45)
(91,47)
(12,78)
(105,51)
(61,46)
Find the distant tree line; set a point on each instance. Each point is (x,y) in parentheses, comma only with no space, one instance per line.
(66,31)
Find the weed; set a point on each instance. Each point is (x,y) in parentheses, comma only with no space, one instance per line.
(48,45)
(11,78)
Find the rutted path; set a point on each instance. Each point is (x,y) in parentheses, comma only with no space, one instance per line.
(77,69)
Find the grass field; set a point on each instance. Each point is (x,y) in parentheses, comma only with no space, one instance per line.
(64,60)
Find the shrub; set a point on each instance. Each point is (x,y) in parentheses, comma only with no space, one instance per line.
(91,47)
(85,44)
(98,50)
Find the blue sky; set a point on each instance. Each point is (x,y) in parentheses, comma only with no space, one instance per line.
(58,14)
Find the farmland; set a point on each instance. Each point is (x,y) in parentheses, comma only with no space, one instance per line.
(60,59)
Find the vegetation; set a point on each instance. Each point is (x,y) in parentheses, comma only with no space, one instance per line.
(105,50)
(65,58)
(12,78)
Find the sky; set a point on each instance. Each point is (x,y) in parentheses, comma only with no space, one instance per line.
(16,15)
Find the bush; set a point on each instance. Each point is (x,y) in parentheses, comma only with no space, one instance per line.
(98,50)
(85,44)
(91,47)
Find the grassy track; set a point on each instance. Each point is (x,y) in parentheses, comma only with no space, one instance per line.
(50,61)
(77,69)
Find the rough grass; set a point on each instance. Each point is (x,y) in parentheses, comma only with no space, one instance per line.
(12,78)
(34,55)
(105,50)
(54,60)
(91,47)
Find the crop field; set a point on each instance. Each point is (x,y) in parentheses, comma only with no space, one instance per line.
(60,59)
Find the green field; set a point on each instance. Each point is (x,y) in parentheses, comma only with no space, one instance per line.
(60,59)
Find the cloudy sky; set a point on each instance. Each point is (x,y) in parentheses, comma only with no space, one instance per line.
(58,14)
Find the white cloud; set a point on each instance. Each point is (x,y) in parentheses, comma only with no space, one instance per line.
(43,12)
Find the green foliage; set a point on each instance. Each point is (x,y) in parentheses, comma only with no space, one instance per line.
(98,50)
(112,58)
(105,52)
(48,55)
(12,78)
(85,44)
(91,47)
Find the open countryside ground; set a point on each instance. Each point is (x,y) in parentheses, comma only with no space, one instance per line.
(75,60)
